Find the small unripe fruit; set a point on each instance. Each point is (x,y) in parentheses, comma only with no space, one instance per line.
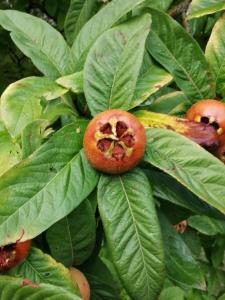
(114,141)
(80,280)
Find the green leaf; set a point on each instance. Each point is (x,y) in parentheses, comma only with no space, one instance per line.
(13,289)
(79,12)
(42,268)
(222,297)
(149,82)
(46,186)
(169,189)
(180,264)
(20,102)
(172,293)
(215,54)
(132,232)
(72,239)
(38,40)
(160,5)
(181,55)
(33,135)
(187,162)
(99,23)
(207,225)
(174,103)
(57,108)
(9,150)
(102,283)
(73,82)
(199,8)
(112,66)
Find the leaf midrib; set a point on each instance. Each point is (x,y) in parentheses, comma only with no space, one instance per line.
(34,42)
(179,65)
(34,196)
(137,235)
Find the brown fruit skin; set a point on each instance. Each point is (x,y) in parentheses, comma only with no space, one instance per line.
(80,280)
(13,254)
(110,165)
(220,153)
(209,108)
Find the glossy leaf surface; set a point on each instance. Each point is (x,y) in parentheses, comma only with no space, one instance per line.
(46,186)
(188,163)
(180,54)
(112,66)
(38,40)
(132,232)
(72,239)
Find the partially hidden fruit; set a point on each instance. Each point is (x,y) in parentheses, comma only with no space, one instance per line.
(200,133)
(11,255)
(210,112)
(80,280)
(114,141)
(220,153)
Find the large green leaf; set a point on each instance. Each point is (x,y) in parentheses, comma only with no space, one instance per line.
(167,188)
(180,263)
(200,8)
(206,225)
(101,22)
(187,162)
(112,66)
(132,232)
(14,288)
(46,186)
(72,239)
(215,54)
(42,268)
(9,150)
(181,55)
(38,40)
(79,12)
(20,102)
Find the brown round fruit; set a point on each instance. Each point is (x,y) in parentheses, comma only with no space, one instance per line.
(114,141)
(220,153)
(80,280)
(11,255)
(210,112)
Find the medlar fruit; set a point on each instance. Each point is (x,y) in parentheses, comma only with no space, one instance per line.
(11,255)
(80,280)
(114,141)
(210,112)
